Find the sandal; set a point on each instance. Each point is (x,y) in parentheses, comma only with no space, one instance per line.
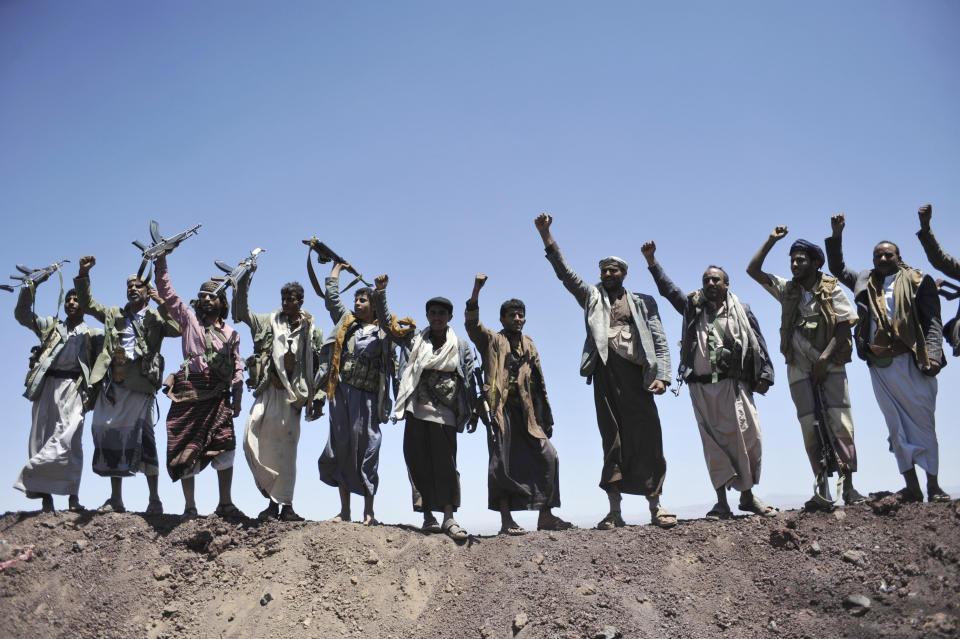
(718,512)
(554,523)
(189,514)
(339,518)
(369,520)
(229,511)
(154,507)
(513,531)
(757,507)
(852,496)
(431,526)
(272,511)
(454,530)
(111,506)
(611,521)
(939,497)
(818,504)
(663,518)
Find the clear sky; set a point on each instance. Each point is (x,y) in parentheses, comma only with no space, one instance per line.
(421,139)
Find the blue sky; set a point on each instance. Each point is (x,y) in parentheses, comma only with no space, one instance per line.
(422,139)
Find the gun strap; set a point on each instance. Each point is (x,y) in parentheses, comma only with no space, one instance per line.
(313,275)
(347,287)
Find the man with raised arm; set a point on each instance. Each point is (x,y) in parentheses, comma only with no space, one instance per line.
(899,335)
(523,473)
(284,377)
(360,354)
(815,341)
(205,393)
(435,399)
(627,358)
(129,368)
(723,360)
(59,387)
(943,262)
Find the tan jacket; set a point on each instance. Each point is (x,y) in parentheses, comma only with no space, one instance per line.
(494,348)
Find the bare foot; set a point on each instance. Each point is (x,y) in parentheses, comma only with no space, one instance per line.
(341,517)
(370,520)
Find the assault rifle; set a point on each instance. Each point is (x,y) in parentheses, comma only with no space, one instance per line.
(948,290)
(481,410)
(951,329)
(828,460)
(324,255)
(160,245)
(32,275)
(234,273)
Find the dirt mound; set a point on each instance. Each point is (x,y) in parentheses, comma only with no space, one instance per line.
(852,573)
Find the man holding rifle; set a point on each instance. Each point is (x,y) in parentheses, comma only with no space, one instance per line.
(205,393)
(815,341)
(129,369)
(523,472)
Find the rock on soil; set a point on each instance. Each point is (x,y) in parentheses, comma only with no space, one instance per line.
(876,571)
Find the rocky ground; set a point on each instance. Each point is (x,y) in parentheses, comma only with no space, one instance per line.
(877,570)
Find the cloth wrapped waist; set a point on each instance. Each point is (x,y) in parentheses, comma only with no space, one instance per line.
(61,374)
(705,379)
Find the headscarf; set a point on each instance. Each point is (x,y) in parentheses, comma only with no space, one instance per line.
(615,261)
(811,249)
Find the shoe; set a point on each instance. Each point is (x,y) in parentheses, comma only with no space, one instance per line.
(907,496)
(154,507)
(851,497)
(229,511)
(288,514)
(554,523)
(189,514)
(272,511)
(939,497)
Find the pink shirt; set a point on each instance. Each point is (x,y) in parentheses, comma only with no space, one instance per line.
(193,342)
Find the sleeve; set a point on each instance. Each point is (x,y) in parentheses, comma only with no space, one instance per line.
(169,326)
(667,288)
(24,312)
(846,275)
(476,331)
(240,311)
(660,345)
(766,368)
(237,361)
(573,282)
(171,301)
(89,305)
(943,262)
(333,302)
(844,309)
(775,286)
(928,308)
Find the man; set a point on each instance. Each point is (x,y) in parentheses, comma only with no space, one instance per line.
(435,399)
(945,263)
(205,393)
(523,472)
(815,341)
(59,387)
(627,358)
(359,379)
(723,359)
(899,334)
(129,368)
(284,377)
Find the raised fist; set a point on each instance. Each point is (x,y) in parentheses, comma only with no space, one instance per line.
(837,222)
(480,280)
(778,233)
(86,263)
(925,213)
(381,281)
(543,222)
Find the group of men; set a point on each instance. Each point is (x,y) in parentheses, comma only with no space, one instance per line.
(438,389)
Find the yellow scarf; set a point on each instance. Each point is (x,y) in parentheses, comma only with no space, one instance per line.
(398,328)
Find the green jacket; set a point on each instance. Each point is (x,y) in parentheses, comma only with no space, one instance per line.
(50,345)
(157,324)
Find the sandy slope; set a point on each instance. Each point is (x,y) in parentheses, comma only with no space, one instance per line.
(134,576)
